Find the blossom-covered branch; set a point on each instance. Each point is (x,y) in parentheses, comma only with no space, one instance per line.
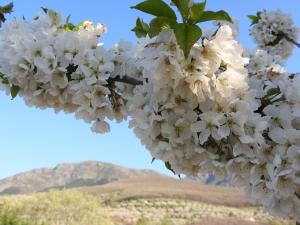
(274,32)
(65,69)
(203,109)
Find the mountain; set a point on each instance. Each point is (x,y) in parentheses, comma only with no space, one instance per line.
(68,175)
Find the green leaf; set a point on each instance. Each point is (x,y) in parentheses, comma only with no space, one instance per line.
(254,19)
(54,16)
(187,35)
(80,25)
(141,29)
(273,91)
(3,79)
(169,167)
(183,7)
(197,10)
(210,15)
(156,8)
(7,8)
(68,25)
(45,10)
(158,24)
(153,159)
(14,90)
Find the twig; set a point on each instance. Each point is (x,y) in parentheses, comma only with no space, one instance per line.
(126,79)
(279,36)
(291,40)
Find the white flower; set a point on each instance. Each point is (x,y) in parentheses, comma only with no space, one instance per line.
(59,79)
(209,125)
(100,127)
(293,155)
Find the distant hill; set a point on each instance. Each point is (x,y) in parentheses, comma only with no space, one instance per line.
(163,187)
(68,175)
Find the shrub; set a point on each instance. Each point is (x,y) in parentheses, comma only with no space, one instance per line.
(67,207)
(166,221)
(143,221)
(10,217)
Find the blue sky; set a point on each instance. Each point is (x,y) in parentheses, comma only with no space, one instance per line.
(32,138)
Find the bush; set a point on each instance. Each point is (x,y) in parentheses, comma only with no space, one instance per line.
(10,217)
(67,207)
(146,221)
(143,221)
(166,221)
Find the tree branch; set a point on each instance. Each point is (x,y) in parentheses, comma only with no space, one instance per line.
(279,36)
(291,40)
(126,79)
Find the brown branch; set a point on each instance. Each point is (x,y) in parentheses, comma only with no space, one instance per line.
(279,36)
(125,79)
(291,40)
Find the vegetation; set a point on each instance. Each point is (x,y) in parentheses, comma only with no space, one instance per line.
(169,204)
(11,217)
(159,200)
(65,207)
(143,221)
(146,221)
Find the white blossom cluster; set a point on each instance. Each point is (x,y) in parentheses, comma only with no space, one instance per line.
(63,70)
(203,116)
(271,30)
(284,133)
(196,114)
(214,112)
(271,176)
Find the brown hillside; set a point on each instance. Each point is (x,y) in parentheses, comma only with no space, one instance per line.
(154,186)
